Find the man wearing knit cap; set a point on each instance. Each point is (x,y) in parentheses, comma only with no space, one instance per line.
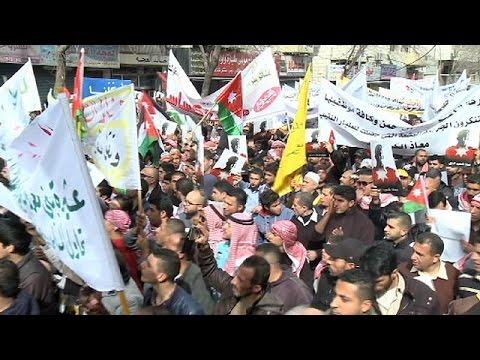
(358,156)
(150,175)
(405,180)
(310,181)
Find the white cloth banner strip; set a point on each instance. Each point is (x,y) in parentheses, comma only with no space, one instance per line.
(356,123)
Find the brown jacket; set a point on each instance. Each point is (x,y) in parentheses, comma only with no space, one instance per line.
(268,304)
(446,289)
(418,298)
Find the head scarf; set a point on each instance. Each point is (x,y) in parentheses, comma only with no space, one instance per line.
(215,218)
(385,200)
(120,219)
(242,242)
(165,156)
(210,145)
(273,154)
(278,147)
(294,249)
(171,142)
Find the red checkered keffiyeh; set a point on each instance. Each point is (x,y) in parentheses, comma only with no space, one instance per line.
(294,249)
(119,219)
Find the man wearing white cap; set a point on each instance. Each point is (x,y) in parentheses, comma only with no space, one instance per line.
(310,184)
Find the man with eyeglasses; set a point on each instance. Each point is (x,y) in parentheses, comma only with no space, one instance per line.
(194,201)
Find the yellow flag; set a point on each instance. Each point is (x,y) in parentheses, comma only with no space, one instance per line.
(294,157)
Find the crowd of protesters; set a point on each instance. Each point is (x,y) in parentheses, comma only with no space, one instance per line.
(224,243)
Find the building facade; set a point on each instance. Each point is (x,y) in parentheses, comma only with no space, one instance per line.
(142,64)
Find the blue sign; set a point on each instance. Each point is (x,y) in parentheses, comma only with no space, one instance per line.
(96,86)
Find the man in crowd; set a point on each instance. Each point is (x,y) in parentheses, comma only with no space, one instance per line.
(289,288)
(34,276)
(272,211)
(165,265)
(354,294)
(343,255)
(397,293)
(346,217)
(397,232)
(426,265)
(244,294)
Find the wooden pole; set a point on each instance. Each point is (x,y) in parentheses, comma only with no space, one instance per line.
(123,301)
(140,201)
(203,118)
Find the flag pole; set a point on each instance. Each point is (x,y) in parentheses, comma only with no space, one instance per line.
(140,202)
(123,301)
(204,116)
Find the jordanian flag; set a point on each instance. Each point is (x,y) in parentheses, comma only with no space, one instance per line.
(148,138)
(230,107)
(416,198)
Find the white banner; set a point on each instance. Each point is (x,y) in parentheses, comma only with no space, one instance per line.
(384,100)
(13,119)
(262,95)
(452,227)
(182,95)
(111,139)
(418,88)
(59,198)
(95,174)
(356,123)
(357,86)
(17,96)
(8,201)
(23,83)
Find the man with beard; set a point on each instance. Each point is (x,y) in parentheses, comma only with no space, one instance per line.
(419,165)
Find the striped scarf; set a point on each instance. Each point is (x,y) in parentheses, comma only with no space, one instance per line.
(242,242)
(215,221)
(294,249)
